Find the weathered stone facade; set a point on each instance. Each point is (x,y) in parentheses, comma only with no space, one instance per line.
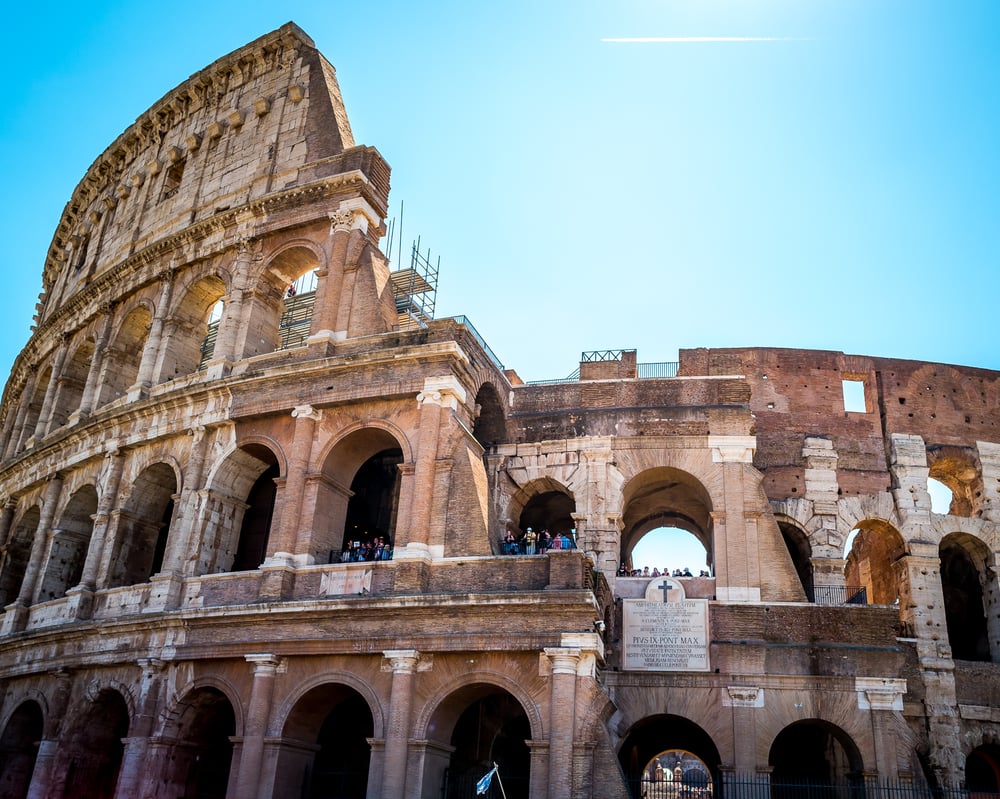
(184,481)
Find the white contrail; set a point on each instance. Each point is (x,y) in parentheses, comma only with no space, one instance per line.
(687,39)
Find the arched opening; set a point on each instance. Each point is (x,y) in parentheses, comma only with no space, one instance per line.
(665,498)
(676,774)
(71,384)
(956,469)
(967,581)
(255,531)
(813,752)
(327,754)
(797,544)
(489,428)
(982,770)
(875,549)
(208,343)
(95,747)
(19,749)
(658,736)
(200,766)
(188,328)
(941,496)
(122,358)
(479,724)
(281,306)
(362,520)
(69,545)
(144,526)
(666,551)
(15,560)
(550,510)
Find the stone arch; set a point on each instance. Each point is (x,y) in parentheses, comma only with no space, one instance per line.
(120,369)
(958,469)
(70,543)
(279,318)
(358,497)
(480,721)
(800,550)
(969,585)
(93,746)
(814,751)
(347,678)
(242,487)
(542,503)
(653,735)
(144,522)
(181,349)
(664,496)
(490,425)
(15,560)
(170,726)
(982,769)
(21,731)
(202,721)
(325,739)
(72,382)
(875,562)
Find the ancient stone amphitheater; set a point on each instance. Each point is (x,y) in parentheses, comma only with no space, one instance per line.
(255,503)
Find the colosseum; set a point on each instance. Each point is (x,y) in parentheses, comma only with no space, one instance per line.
(270,529)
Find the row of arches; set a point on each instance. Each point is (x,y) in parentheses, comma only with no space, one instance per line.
(875,572)
(328,745)
(152,338)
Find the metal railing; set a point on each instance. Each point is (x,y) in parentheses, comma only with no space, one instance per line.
(464,321)
(838,595)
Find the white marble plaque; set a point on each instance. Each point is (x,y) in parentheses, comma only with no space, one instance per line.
(665,636)
(345,581)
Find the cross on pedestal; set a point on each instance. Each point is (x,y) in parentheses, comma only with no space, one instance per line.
(664,586)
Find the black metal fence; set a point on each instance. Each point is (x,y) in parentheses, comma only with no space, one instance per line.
(838,595)
(764,786)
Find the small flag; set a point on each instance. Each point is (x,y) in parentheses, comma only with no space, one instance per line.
(484,784)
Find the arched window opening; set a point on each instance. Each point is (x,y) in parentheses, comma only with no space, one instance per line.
(19,749)
(982,770)
(667,551)
(15,561)
(255,530)
(872,574)
(677,741)
(188,328)
(489,428)
(325,752)
(966,581)
(954,481)
(676,774)
(122,358)
(667,499)
(797,544)
(493,729)
(69,545)
(812,752)
(71,384)
(297,311)
(95,747)
(144,527)
(208,343)
(369,529)
(200,766)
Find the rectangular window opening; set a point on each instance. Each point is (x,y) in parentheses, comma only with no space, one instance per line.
(854,396)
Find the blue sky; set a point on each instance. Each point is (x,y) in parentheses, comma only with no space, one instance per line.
(832,187)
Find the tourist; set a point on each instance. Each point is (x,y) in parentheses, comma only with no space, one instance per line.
(530,542)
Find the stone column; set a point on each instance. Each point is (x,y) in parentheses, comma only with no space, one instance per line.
(562,725)
(151,351)
(403,664)
(18,612)
(329,279)
(134,759)
(736,547)
(248,785)
(177,558)
(94,373)
(6,520)
(18,433)
(744,699)
(232,315)
(292,542)
(883,698)
(48,747)
(81,597)
(45,416)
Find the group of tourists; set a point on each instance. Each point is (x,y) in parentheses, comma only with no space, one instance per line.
(375,549)
(625,571)
(532,543)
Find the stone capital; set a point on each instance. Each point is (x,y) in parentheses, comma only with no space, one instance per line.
(732,449)
(563,660)
(743,696)
(264,664)
(880,693)
(445,391)
(307,412)
(405,661)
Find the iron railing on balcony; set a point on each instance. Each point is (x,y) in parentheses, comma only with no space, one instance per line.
(838,595)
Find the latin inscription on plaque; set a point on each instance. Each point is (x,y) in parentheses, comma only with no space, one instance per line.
(665,636)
